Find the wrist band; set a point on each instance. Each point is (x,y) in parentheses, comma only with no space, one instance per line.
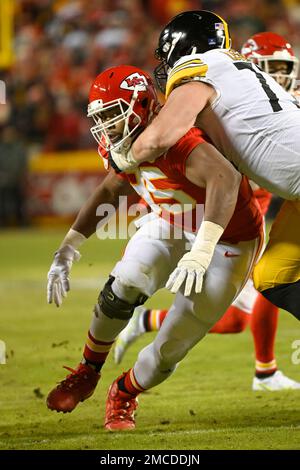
(207,237)
(73,238)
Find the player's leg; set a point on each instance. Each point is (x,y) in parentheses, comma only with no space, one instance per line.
(143,320)
(188,321)
(237,316)
(263,327)
(147,262)
(277,275)
(263,323)
(285,296)
(148,320)
(144,268)
(106,323)
(263,318)
(233,321)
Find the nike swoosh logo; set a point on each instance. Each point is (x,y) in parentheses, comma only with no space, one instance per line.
(229,254)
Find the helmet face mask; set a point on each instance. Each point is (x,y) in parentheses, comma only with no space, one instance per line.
(275,56)
(281,70)
(161,75)
(122,100)
(112,130)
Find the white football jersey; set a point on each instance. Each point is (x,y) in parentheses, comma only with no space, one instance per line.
(253,121)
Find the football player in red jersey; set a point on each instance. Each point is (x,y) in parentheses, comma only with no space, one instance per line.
(274,55)
(249,118)
(205,189)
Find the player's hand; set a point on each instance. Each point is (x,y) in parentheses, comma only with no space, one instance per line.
(122,161)
(190,271)
(58,275)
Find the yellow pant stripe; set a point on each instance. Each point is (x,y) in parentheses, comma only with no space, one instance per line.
(98,348)
(153,320)
(134,382)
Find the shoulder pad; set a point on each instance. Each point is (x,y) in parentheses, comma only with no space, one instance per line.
(185,69)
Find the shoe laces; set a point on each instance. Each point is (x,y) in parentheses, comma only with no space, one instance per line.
(123,408)
(73,378)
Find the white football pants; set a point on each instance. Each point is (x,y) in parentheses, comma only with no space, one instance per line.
(150,257)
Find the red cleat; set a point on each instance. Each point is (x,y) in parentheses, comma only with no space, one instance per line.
(76,387)
(120,408)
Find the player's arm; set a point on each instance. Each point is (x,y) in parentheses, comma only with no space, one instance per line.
(206,167)
(176,117)
(107,192)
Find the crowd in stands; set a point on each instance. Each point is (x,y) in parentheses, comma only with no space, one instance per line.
(61,45)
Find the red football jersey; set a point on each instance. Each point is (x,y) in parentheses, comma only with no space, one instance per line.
(165,188)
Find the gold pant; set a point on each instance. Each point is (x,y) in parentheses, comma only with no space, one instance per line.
(280,263)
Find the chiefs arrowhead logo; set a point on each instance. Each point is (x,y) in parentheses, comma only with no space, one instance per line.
(135,80)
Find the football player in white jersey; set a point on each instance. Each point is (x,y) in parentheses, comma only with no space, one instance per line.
(251,120)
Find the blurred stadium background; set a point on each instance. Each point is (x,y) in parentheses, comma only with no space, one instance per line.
(50,51)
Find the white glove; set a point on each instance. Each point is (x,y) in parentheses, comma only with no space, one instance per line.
(58,275)
(193,265)
(122,161)
(189,269)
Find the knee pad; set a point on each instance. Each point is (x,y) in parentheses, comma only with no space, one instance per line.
(114,307)
(286,296)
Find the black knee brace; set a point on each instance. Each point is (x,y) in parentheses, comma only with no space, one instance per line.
(286,296)
(114,307)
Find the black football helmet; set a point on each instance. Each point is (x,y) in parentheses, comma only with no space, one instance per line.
(189,33)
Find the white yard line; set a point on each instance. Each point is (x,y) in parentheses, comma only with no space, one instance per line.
(225,429)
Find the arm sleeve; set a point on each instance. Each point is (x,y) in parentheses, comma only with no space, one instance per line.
(179,153)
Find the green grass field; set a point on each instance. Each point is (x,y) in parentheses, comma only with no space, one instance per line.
(206,404)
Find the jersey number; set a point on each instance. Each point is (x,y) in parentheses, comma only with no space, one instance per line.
(274,100)
(173,200)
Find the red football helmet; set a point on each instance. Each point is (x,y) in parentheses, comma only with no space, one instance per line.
(268,49)
(122,101)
